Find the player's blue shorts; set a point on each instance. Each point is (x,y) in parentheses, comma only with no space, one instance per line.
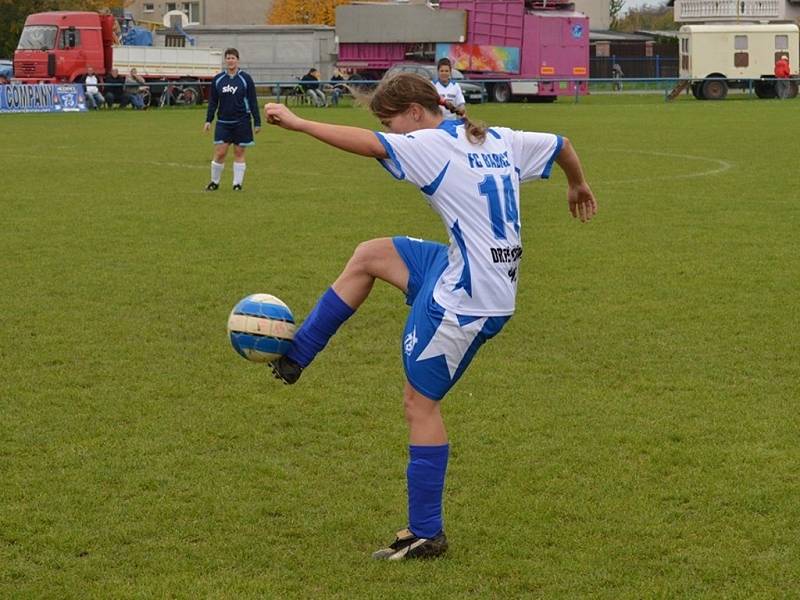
(437,345)
(239,133)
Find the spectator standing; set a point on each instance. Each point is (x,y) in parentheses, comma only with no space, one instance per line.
(449,90)
(782,74)
(617,75)
(310,84)
(94,99)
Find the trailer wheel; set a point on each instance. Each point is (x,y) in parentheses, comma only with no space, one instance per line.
(765,89)
(697,90)
(792,89)
(501,92)
(715,89)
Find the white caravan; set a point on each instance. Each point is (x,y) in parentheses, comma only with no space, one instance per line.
(714,58)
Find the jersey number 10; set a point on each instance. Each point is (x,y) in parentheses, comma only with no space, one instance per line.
(500,213)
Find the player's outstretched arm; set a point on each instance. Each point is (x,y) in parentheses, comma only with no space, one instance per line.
(351,139)
(582,203)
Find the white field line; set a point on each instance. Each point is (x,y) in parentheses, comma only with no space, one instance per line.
(108,160)
(721,167)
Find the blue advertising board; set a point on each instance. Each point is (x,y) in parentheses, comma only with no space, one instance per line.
(42,97)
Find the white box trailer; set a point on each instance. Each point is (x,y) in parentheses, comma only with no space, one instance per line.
(714,58)
(162,62)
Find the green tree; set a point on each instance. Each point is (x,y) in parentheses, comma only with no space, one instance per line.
(614,10)
(655,17)
(14,12)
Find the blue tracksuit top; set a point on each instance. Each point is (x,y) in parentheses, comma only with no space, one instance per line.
(235,96)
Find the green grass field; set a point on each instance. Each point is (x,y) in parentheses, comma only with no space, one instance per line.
(632,433)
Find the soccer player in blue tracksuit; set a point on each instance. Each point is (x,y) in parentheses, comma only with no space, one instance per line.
(234,93)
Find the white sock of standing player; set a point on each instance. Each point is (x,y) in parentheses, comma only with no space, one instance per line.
(216,171)
(238,172)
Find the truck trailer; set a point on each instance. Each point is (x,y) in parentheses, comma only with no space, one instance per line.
(518,48)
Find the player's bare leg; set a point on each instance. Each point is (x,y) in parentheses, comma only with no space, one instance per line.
(426,473)
(375,259)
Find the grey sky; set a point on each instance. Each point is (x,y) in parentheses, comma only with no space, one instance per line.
(637,3)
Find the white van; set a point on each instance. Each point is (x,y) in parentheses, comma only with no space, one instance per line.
(733,53)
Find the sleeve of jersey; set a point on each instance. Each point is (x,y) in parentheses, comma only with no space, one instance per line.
(252,101)
(417,157)
(534,153)
(213,101)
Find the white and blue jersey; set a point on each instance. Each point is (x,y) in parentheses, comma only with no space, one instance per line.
(461,295)
(475,190)
(233,99)
(452,92)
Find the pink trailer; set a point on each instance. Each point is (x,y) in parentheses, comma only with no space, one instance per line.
(532,48)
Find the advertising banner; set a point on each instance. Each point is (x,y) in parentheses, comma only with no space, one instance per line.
(472,57)
(42,97)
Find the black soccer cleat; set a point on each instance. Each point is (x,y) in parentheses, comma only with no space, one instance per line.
(237,188)
(406,546)
(286,370)
(212,186)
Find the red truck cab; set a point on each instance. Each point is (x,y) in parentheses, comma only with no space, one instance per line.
(59,46)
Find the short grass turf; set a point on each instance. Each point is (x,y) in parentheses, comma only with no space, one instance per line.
(632,433)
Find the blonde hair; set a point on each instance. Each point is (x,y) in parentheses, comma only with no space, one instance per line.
(395,95)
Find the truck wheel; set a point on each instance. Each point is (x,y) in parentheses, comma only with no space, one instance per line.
(715,89)
(697,90)
(764,89)
(501,92)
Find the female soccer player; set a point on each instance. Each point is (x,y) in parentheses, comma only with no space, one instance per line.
(449,89)
(234,92)
(460,295)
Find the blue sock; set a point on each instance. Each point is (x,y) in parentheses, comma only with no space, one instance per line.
(427,466)
(320,325)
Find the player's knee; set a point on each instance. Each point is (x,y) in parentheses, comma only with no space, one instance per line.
(362,257)
(370,255)
(417,408)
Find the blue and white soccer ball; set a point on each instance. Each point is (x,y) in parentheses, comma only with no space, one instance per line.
(261,328)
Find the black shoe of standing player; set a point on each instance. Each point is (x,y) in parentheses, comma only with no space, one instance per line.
(286,370)
(212,187)
(237,188)
(406,545)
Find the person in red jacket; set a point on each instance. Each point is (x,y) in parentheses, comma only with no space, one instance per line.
(782,74)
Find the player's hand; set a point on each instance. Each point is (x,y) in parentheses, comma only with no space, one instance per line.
(279,114)
(206,127)
(257,129)
(582,203)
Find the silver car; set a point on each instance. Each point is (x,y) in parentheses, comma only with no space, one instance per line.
(473,93)
(6,68)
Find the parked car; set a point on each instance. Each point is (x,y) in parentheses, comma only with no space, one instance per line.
(473,93)
(6,69)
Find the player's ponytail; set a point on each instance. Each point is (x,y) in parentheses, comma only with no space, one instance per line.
(476,132)
(395,95)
